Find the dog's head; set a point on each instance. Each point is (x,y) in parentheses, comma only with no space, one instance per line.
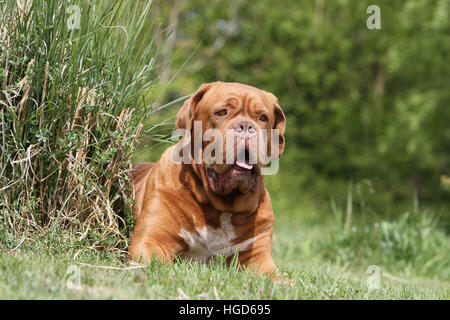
(232,124)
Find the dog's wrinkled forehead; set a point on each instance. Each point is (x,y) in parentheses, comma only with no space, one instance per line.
(213,94)
(234,93)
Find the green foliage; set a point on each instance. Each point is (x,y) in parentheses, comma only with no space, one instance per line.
(71,108)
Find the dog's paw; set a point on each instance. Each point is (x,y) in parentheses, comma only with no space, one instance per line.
(282,279)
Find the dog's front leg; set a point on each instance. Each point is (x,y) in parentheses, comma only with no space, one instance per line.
(155,236)
(259,259)
(262,263)
(152,249)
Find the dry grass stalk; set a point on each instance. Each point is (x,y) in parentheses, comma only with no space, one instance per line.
(68,115)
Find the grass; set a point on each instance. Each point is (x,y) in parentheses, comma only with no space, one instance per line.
(71,110)
(44,269)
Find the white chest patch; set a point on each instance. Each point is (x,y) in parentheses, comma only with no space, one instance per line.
(208,242)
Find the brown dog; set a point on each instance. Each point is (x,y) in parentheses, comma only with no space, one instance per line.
(199,210)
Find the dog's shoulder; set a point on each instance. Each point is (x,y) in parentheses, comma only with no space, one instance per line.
(140,170)
(139,174)
(148,177)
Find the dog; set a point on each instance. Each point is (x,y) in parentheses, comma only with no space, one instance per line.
(198,210)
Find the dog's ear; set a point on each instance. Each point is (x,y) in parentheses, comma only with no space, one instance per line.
(183,115)
(186,114)
(279,123)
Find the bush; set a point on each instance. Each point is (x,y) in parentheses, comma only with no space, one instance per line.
(71,109)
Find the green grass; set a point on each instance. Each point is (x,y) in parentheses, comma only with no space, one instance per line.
(72,106)
(42,268)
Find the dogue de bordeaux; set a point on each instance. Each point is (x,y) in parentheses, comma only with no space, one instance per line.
(197,210)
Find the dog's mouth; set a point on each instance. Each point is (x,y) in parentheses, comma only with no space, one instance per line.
(241,175)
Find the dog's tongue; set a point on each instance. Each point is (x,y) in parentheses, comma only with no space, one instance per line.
(244,165)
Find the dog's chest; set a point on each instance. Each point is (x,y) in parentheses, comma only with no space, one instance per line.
(207,242)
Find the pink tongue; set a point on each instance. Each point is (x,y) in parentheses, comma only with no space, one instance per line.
(244,165)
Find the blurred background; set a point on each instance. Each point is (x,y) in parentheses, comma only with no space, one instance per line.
(368,111)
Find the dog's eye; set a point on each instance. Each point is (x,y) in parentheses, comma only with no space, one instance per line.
(221,112)
(263,118)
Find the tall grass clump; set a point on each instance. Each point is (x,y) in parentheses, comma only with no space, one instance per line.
(412,243)
(73,75)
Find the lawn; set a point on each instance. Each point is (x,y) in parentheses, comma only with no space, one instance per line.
(47,269)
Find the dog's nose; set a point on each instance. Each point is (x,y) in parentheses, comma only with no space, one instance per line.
(245,127)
